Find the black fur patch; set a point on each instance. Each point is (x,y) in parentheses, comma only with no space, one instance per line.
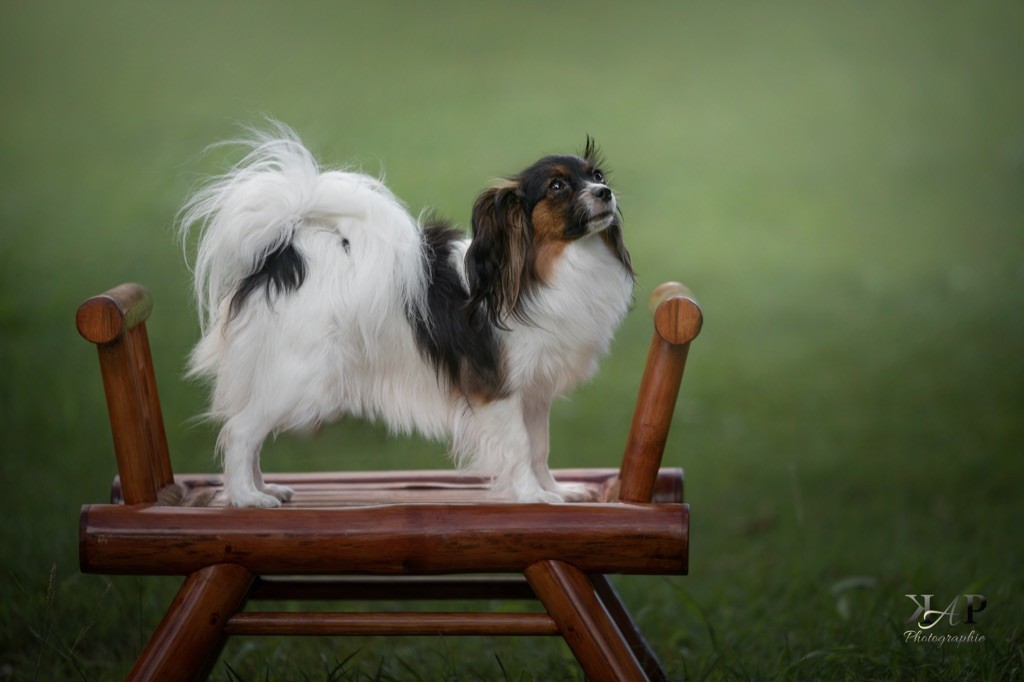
(283,269)
(458,341)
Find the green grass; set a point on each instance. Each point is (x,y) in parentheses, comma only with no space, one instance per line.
(840,183)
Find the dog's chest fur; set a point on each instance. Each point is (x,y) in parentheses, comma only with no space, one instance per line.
(571,321)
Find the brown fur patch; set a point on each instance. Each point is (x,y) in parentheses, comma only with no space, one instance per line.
(548,228)
(548,253)
(548,220)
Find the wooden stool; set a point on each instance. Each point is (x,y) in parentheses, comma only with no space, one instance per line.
(387,535)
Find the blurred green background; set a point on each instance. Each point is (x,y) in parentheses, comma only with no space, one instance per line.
(840,184)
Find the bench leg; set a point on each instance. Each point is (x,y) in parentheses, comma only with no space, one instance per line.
(191,631)
(628,627)
(588,629)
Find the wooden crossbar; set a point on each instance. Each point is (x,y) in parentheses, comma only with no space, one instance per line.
(331,588)
(397,623)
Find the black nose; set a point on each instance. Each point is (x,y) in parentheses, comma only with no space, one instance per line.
(603,193)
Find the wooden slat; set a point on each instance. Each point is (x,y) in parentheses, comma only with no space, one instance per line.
(401,539)
(398,623)
(332,489)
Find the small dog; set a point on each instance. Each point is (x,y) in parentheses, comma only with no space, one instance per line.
(320,296)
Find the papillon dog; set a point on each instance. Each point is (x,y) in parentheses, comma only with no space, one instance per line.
(320,296)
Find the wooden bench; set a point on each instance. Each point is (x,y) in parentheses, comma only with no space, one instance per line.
(389,535)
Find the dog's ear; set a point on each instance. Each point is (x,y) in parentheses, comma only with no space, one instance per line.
(497,262)
(612,236)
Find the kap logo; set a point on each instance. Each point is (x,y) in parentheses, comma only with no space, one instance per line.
(973,603)
(957,612)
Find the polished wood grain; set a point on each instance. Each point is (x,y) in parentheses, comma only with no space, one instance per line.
(400,539)
(103,318)
(652,419)
(116,322)
(192,629)
(681,321)
(677,316)
(149,406)
(131,432)
(595,640)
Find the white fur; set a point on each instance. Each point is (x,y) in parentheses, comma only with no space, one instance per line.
(342,344)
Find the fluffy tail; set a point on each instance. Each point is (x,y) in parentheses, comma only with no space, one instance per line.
(258,208)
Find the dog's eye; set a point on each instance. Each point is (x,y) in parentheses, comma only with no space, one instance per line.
(557,185)
(598,176)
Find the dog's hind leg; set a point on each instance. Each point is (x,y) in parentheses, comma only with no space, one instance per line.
(239,442)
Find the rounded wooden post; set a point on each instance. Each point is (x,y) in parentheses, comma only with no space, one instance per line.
(150,402)
(104,318)
(677,321)
(127,424)
(115,322)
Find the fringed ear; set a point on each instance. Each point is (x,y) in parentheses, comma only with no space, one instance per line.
(497,261)
(612,236)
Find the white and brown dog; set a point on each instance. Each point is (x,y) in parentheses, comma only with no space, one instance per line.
(320,296)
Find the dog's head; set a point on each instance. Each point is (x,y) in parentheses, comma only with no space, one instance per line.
(522,225)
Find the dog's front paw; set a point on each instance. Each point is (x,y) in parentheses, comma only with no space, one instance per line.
(536,494)
(544,496)
(281,492)
(524,494)
(247,498)
(575,492)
